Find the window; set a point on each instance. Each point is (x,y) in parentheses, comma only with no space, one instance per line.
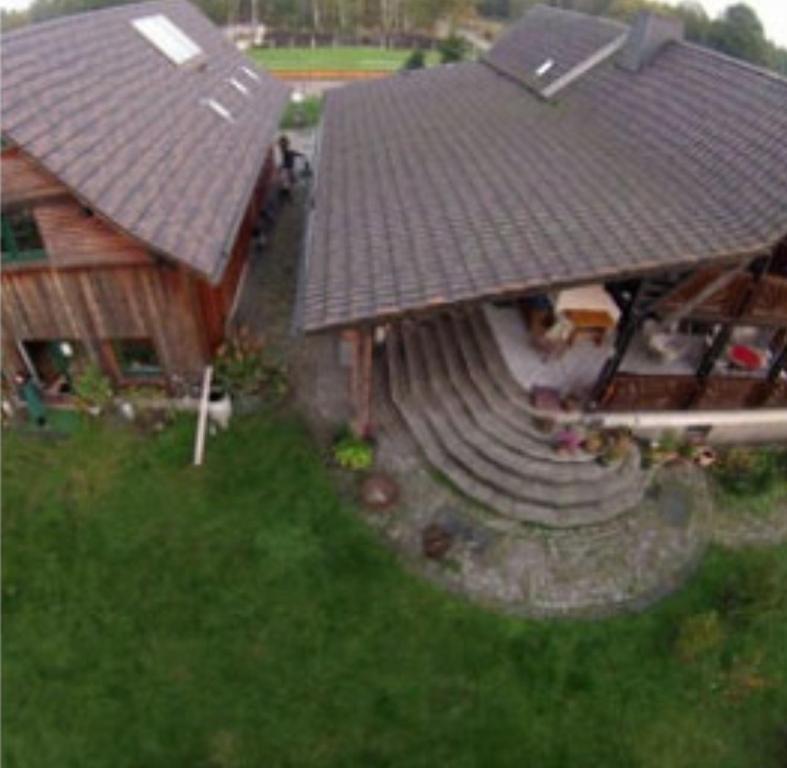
(56,362)
(137,358)
(219,109)
(175,44)
(21,240)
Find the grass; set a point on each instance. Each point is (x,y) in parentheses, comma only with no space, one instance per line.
(241,615)
(751,480)
(348,59)
(303,115)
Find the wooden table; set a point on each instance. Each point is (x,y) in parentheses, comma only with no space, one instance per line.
(589,322)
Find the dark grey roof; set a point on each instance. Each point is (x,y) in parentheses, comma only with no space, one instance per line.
(456,183)
(566,38)
(129,132)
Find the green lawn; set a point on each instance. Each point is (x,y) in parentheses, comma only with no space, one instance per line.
(347,59)
(240,615)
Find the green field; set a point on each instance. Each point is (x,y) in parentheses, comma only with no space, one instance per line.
(242,615)
(347,59)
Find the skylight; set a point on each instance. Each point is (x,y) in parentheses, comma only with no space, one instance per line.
(160,32)
(545,67)
(219,109)
(251,73)
(239,86)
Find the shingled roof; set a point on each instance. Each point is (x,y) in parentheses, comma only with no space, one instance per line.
(134,135)
(457,183)
(560,42)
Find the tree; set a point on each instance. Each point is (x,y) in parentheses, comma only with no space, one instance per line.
(739,33)
(416,60)
(453,48)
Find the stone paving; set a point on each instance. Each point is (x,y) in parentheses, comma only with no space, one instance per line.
(624,564)
(593,571)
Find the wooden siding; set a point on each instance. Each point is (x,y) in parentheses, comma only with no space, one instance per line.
(74,237)
(769,306)
(631,392)
(97,305)
(217,301)
(97,284)
(24,182)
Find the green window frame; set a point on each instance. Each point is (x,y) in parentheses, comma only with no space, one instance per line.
(21,239)
(137,358)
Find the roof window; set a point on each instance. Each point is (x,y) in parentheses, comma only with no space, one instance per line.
(545,67)
(238,86)
(219,109)
(251,73)
(160,32)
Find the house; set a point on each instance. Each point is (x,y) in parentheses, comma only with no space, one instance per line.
(580,160)
(137,155)
(587,227)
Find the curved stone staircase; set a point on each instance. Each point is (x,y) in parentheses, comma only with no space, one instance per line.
(475,425)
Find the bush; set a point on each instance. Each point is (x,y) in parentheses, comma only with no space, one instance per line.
(751,472)
(352,453)
(242,369)
(238,365)
(453,48)
(92,387)
(698,636)
(305,114)
(416,60)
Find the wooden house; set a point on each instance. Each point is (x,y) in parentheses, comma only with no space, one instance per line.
(578,157)
(583,230)
(137,156)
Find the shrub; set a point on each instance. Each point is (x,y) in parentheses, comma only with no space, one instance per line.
(305,114)
(698,636)
(453,48)
(241,367)
(352,453)
(416,60)
(750,472)
(92,387)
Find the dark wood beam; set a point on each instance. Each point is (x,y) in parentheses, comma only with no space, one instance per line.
(361,381)
(722,337)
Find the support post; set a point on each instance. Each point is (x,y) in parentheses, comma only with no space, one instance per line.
(202,420)
(627,328)
(778,365)
(723,335)
(361,382)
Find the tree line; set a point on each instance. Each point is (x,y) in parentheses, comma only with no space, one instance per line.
(737,32)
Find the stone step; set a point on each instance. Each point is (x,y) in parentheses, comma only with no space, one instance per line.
(512,452)
(514,428)
(452,331)
(522,477)
(502,491)
(505,421)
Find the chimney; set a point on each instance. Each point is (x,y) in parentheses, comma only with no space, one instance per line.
(648,35)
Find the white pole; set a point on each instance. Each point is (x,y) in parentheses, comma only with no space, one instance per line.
(202,421)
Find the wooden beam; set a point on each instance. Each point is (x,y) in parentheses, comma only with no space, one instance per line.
(361,382)
(724,333)
(627,329)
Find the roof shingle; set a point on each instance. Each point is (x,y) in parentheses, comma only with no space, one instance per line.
(455,184)
(92,101)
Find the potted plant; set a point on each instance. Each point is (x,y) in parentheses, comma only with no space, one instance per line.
(93,389)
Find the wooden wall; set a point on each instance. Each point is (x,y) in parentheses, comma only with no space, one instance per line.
(218,300)
(98,284)
(768,308)
(98,304)
(24,182)
(631,392)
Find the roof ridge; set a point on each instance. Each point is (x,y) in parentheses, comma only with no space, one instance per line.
(740,63)
(37,27)
(573,12)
